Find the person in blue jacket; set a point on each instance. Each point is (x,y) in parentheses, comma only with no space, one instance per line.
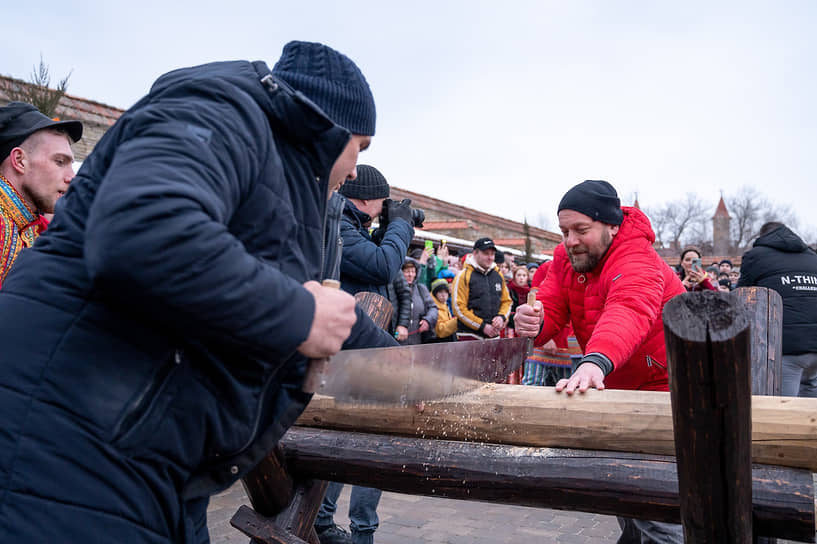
(370,262)
(156,337)
(371,265)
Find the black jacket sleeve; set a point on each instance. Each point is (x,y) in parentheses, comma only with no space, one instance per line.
(365,334)
(157,232)
(403,309)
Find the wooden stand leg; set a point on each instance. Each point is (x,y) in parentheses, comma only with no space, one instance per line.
(262,530)
(708,343)
(766,311)
(286,508)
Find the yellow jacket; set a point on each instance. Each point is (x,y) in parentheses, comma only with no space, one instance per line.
(478,296)
(446,323)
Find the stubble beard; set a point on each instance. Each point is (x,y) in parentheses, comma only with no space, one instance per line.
(588,258)
(43,203)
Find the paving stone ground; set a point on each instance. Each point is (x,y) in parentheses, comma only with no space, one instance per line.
(429,520)
(410,519)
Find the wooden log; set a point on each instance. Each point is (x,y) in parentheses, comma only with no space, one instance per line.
(784,429)
(633,485)
(708,347)
(766,307)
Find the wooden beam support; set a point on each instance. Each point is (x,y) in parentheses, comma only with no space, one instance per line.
(633,485)
(261,529)
(269,486)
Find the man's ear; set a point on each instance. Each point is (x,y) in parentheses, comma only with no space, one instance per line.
(17,159)
(614,229)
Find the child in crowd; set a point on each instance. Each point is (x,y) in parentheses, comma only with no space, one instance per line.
(518,288)
(446,321)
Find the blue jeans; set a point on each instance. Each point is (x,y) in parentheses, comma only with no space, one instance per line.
(799,375)
(637,531)
(362,511)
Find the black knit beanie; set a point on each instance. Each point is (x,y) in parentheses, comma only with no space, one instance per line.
(596,199)
(332,81)
(368,184)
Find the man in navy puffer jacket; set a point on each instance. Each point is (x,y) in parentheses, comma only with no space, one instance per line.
(156,338)
(366,265)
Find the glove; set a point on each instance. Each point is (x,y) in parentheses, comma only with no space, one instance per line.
(398,210)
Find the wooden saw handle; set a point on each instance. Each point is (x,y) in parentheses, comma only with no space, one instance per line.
(314,374)
(530,301)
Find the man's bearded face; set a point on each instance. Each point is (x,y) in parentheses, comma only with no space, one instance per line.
(585,240)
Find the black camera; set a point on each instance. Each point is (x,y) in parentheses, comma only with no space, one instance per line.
(417,217)
(402,210)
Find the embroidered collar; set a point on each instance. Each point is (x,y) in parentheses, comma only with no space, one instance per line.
(13,206)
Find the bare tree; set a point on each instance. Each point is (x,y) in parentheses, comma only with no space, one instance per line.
(659,220)
(700,235)
(749,210)
(543,221)
(38,92)
(528,244)
(674,220)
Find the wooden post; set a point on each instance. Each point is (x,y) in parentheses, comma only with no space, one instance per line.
(766,306)
(708,340)
(293,505)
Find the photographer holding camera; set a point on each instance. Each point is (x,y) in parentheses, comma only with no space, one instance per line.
(369,262)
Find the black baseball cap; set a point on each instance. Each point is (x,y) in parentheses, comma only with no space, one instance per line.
(19,120)
(484,243)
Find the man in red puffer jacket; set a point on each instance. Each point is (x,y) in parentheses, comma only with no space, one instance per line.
(607,280)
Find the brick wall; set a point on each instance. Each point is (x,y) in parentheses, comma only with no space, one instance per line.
(96,117)
(479,224)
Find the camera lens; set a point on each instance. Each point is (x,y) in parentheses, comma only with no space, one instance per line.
(418,216)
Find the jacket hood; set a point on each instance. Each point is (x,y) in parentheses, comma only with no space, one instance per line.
(469,260)
(782,239)
(288,111)
(635,225)
(349,208)
(238,73)
(413,262)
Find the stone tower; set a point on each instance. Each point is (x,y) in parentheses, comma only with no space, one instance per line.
(721,237)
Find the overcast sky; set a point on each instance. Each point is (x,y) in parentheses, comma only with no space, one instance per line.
(500,106)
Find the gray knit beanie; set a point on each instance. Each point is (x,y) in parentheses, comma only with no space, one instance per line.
(332,81)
